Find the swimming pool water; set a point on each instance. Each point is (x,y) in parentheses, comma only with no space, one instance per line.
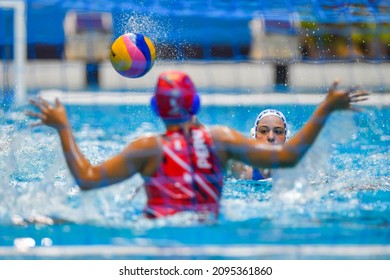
(335,201)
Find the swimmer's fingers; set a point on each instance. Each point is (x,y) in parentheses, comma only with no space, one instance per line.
(41,104)
(352,89)
(358,96)
(48,114)
(38,116)
(342,99)
(334,85)
(58,103)
(359,93)
(41,117)
(33,114)
(358,99)
(357,90)
(45,104)
(36,104)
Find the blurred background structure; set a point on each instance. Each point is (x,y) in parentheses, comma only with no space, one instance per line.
(244,56)
(281,44)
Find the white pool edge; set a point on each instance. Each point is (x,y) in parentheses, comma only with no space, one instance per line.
(322,251)
(217,99)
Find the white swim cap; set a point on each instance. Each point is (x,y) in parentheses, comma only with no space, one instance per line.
(270,112)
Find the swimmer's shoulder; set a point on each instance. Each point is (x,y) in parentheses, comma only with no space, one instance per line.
(224,133)
(147,141)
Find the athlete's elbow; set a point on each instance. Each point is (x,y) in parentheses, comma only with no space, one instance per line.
(87,181)
(85,184)
(95,182)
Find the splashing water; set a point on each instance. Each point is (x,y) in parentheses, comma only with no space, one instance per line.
(315,167)
(146,24)
(329,182)
(333,175)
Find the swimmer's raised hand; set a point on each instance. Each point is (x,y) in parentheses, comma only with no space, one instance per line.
(50,115)
(342,99)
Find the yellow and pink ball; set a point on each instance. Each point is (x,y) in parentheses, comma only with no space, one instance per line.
(132,55)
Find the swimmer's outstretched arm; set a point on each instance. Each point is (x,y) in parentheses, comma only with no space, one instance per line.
(297,146)
(335,100)
(231,144)
(131,160)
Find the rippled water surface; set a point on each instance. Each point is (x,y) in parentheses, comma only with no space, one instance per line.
(338,194)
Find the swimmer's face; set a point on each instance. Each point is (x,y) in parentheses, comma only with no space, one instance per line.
(270,129)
